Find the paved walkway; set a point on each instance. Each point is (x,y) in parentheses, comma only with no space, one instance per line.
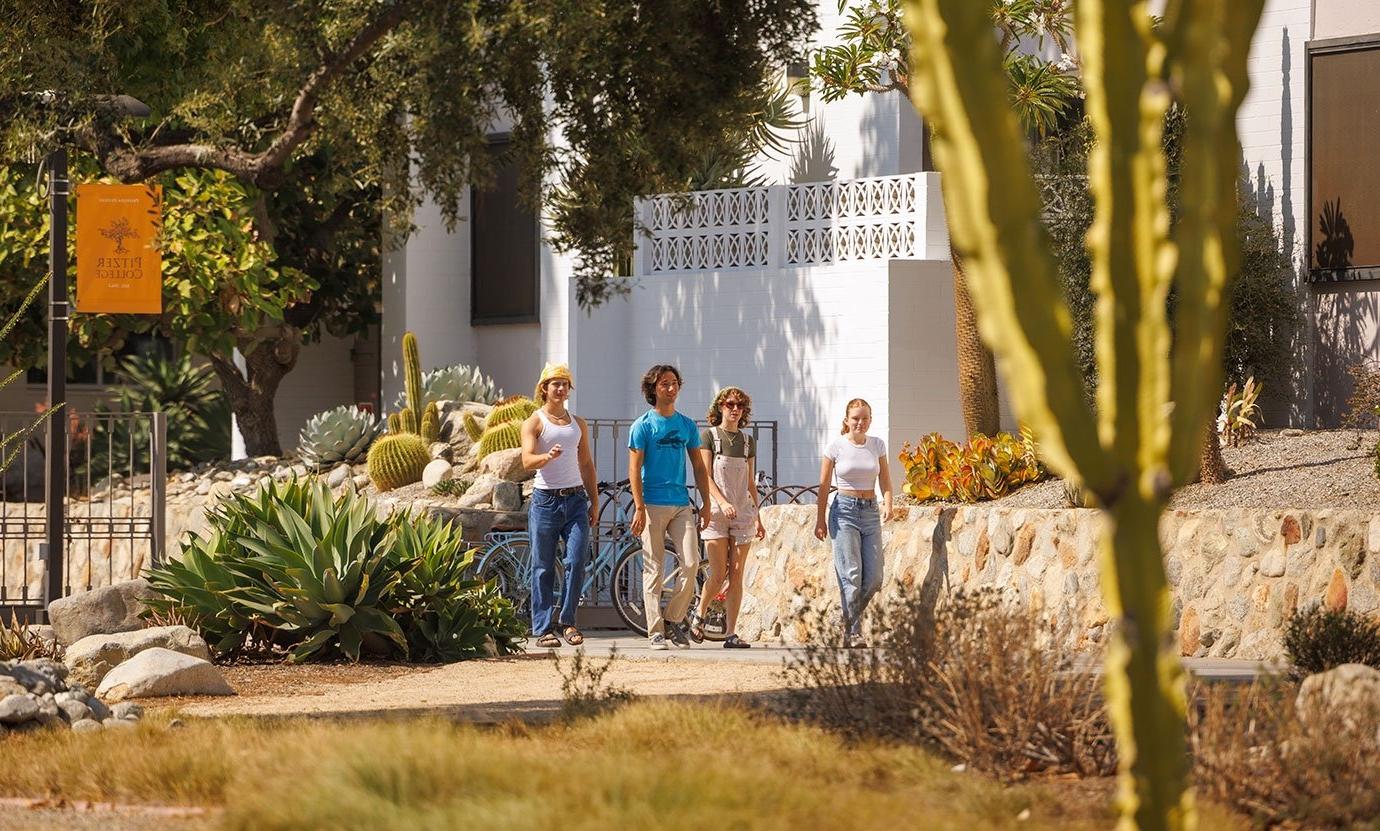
(604,641)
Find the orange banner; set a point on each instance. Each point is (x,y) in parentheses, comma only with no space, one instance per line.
(119,267)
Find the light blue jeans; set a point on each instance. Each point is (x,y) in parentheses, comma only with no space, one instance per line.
(550,519)
(855,526)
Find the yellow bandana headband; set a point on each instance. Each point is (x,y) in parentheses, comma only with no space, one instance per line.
(552,372)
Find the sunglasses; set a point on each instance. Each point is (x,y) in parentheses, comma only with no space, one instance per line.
(734,405)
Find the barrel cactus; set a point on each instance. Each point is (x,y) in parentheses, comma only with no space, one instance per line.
(517,408)
(457,382)
(342,434)
(503,436)
(397,459)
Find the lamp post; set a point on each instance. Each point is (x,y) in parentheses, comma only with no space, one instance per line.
(55,484)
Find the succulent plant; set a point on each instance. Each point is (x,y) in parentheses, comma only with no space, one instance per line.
(473,428)
(430,427)
(456,382)
(412,374)
(451,487)
(503,436)
(397,460)
(983,468)
(341,434)
(516,409)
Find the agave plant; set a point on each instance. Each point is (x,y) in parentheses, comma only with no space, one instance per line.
(292,567)
(342,434)
(457,382)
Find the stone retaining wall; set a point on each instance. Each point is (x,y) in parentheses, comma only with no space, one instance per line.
(1236,575)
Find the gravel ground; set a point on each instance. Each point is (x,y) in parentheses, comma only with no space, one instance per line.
(47,815)
(1319,469)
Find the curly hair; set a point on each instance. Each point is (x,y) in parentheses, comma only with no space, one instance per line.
(653,375)
(716,415)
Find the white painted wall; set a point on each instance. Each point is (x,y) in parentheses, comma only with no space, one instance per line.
(1343,18)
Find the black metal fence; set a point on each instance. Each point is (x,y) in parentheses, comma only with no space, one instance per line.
(114,512)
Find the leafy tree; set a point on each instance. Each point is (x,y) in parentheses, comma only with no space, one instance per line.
(605,99)
(874,56)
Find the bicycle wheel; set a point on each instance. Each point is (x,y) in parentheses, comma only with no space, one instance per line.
(626,586)
(509,564)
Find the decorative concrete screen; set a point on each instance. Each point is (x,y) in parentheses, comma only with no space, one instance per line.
(879,218)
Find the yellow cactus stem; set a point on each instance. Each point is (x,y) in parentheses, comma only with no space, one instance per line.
(412,377)
(473,428)
(431,423)
(407,420)
(394,423)
(1128,456)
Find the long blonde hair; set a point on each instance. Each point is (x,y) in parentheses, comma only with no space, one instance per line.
(856,402)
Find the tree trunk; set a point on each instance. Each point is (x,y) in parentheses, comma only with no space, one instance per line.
(266,360)
(1212,468)
(977,370)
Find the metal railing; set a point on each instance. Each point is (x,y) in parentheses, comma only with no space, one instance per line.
(115,519)
(608,442)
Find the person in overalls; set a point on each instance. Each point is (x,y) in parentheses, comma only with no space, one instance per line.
(565,499)
(730,454)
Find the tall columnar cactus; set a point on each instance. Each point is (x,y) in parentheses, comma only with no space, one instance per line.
(472,427)
(431,422)
(1136,447)
(412,375)
(397,459)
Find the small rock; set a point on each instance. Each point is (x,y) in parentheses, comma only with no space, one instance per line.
(241,482)
(1291,432)
(187,477)
(361,481)
(9,686)
(158,672)
(282,473)
(85,725)
(39,676)
(119,724)
(203,487)
(337,476)
(435,472)
(75,711)
(16,709)
(1272,564)
(127,710)
(480,492)
(507,496)
(90,658)
(176,724)
(219,490)
(442,450)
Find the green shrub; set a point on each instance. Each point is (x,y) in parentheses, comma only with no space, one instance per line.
(291,567)
(198,414)
(1319,639)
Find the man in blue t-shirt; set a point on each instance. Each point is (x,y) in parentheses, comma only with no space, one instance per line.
(658,444)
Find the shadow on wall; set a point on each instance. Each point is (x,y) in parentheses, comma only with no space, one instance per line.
(1348,332)
(814,158)
(761,331)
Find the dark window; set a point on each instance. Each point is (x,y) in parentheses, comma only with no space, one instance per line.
(504,274)
(1343,178)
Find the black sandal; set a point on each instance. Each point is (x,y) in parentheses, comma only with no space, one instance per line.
(696,629)
(549,641)
(735,642)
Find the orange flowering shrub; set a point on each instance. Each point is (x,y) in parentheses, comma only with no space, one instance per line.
(980,469)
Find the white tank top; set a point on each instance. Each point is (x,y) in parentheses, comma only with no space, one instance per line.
(564,470)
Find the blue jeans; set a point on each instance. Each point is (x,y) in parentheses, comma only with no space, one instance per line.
(855,526)
(550,519)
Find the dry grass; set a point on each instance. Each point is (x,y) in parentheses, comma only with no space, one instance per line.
(1255,751)
(664,765)
(984,680)
(21,642)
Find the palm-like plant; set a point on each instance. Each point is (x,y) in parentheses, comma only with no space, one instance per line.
(874,56)
(198,413)
(773,123)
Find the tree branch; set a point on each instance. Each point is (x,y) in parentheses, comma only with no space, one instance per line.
(263,169)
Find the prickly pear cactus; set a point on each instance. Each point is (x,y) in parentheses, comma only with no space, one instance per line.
(342,434)
(397,459)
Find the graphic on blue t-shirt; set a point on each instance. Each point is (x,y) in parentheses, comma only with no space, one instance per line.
(664,442)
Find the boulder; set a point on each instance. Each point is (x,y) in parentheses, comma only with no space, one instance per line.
(39,676)
(90,658)
(86,725)
(160,672)
(99,611)
(506,465)
(1349,688)
(17,709)
(507,497)
(337,476)
(436,472)
(481,492)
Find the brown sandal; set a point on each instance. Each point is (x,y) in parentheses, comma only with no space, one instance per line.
(573,636)
(548,641)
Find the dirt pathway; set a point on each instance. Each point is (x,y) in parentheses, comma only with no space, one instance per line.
(490,690)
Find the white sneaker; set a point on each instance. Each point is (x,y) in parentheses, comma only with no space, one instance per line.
(657,642)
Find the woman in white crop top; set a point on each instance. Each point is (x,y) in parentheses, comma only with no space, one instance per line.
(555,443)
(854,463)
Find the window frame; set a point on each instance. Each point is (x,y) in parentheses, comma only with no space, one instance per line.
(1313,49)
(477,319)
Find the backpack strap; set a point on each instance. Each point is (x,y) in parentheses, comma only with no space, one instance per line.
(715,441)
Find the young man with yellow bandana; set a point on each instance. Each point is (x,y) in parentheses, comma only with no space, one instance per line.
(565,501)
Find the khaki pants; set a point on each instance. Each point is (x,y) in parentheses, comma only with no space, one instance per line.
(679,522)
